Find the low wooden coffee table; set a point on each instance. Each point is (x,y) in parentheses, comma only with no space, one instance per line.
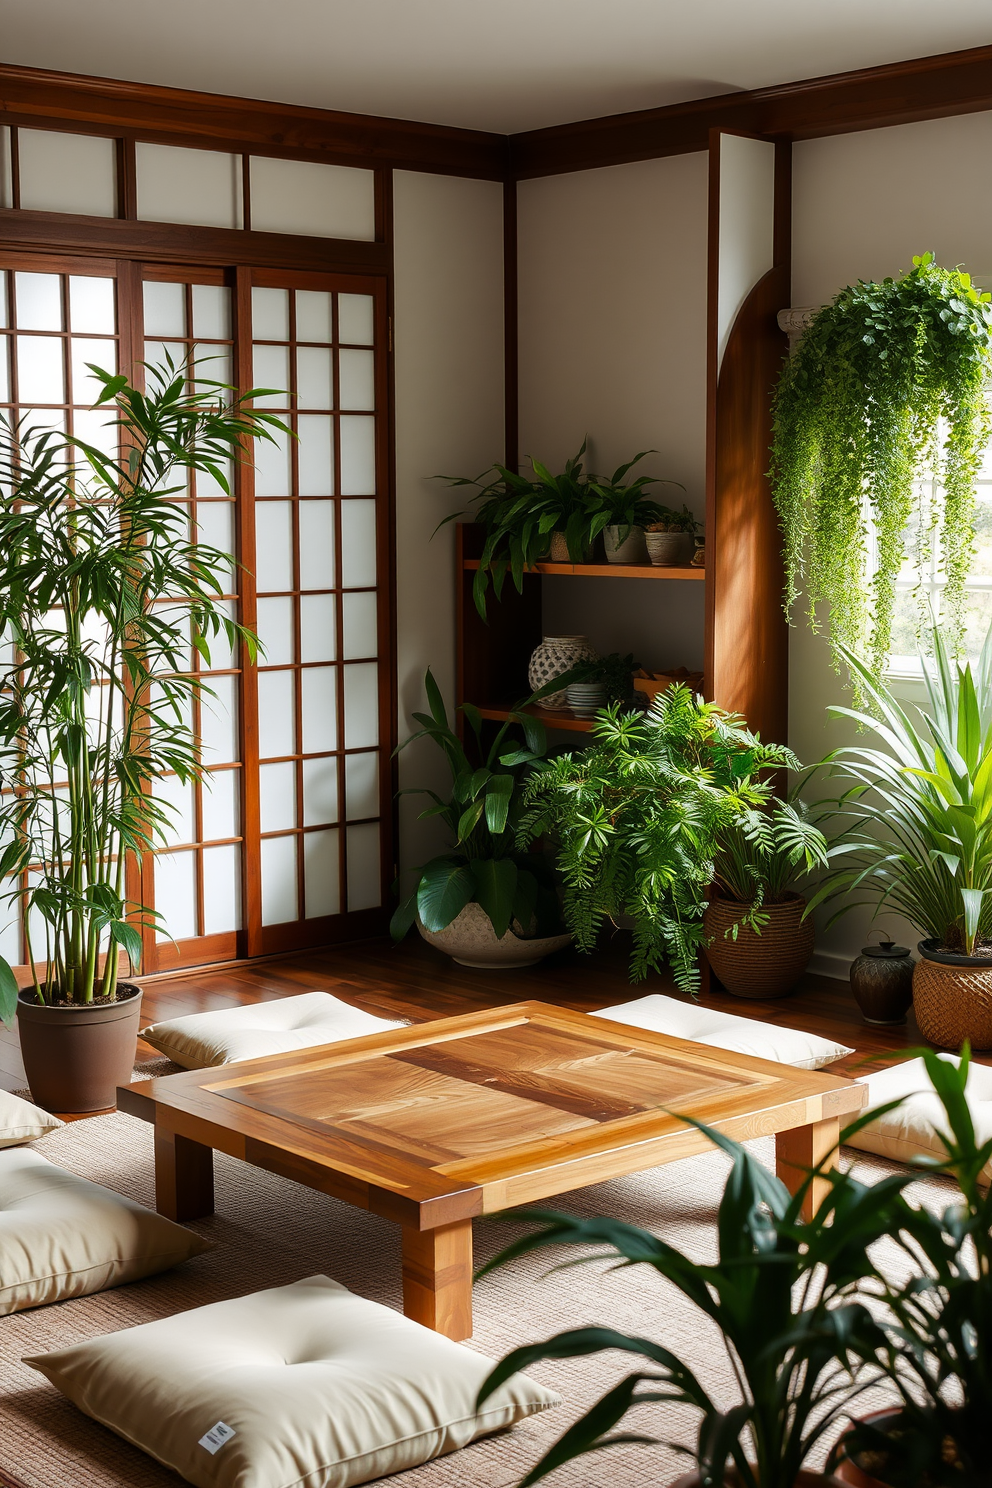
(435,1124)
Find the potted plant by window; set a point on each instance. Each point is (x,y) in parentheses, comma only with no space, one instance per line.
(103,590)
(638,818)
(671,537)
(483,902)
(629,510)
(760,936)
(916,820)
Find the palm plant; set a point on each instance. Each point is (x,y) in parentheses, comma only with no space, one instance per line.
(639,816)
(103,590)
(762,855)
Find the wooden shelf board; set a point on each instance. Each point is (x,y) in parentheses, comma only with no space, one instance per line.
(608,570)
(552,718)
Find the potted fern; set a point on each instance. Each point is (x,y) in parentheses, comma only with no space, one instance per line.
(102,591)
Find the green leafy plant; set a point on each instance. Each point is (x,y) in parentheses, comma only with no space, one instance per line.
(782,1293)
(672,519)
(614,671)
(638,818)
(482,813)
(859,415)
(915,814)
(759,858)
(626,503)
(103,590)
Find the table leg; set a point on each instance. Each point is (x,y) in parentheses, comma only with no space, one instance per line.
(437,1278)
(803,1148)
(184,1176)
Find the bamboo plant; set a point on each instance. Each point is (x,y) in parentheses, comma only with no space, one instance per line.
(104,590)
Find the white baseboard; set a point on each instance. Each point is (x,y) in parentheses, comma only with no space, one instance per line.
(831,964)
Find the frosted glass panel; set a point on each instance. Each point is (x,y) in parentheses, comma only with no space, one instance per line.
(359,613)
(318,687)
(159,355)
(316,544)
(356,319)
(67,172)
(317,628)
(270,369)
(221,889)
(275,631)
(175,897)
(218,722)
(361,706)
(323,201)
(278,880)
(357,456)
(165,309)
(213,364)
(10,934)
(277,797)
(270,314)
(273,472)
(206,485)
(94,426)
(85,387)
(4,370)
(39,369)
(222,654)
(363,867)
(219,804)
(313,315)
(316,455)
(358,544)
(212,311)
(215,524)
(202,187)
(91,305)
(273,546)
(4,312)
(276,703)
(320,791)
(314,377)
(6,200)
(39,302)
(361,775)
(176,800)
(322,871)
(357,378)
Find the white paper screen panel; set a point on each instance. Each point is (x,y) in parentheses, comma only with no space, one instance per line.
(746,225)
(6,182)
(306,198)
(199,187)
(67,172)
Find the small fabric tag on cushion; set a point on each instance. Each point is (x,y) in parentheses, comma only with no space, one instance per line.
(215,1438)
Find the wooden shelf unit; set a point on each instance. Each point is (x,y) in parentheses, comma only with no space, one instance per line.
(552,718)
(604,570)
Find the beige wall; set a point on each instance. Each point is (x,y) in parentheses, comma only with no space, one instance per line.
(448,338)
(864,204)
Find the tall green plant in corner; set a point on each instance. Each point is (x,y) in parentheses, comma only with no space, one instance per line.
(887,385)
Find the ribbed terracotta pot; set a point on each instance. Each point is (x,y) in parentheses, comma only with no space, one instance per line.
(765,965)
(952,997)
(75,1057)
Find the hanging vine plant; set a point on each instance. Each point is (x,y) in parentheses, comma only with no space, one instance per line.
(888,385)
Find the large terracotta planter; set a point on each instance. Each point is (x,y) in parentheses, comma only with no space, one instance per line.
(952,998)
(471,941)
(849,1472)
(765,965)
(75,1057)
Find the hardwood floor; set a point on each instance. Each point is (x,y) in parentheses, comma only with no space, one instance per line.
(415,981)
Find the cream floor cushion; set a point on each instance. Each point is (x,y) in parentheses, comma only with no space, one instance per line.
(305,1385)
(911,1129)
(62,1236)
(703,1025)
(259,1028)
(20,1121)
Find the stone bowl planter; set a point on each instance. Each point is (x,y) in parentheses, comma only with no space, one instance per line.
(471,941)
(952,997)
(765,965)
(669,549)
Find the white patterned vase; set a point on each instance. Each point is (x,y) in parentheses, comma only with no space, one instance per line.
(555,655)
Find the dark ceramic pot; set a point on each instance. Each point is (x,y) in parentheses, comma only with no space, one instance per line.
(804,1480)
(848,1471)
(75,1057)
(882,983)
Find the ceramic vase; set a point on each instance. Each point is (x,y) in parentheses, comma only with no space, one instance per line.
(586,698)
(631,550)
(555,655)
(669,549)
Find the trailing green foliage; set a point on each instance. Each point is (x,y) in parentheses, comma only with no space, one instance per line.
(760,857)
(103,589)
(482,813)
(916,813)
(857,419)
(638,818)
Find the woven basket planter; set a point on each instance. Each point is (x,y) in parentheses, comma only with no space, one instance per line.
(952,998)
(765,965)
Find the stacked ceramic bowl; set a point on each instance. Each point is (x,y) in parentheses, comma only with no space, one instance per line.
(586,698)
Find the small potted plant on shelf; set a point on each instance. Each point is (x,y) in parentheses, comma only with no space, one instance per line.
(102,592)
(484,902)
(629,510)
(916,834)
(598,683)
(671,537)
(760,936)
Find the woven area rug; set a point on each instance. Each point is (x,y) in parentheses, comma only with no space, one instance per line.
(268,1231)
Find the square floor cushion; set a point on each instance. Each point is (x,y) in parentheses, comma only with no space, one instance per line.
(20,1121)
(275,1027)
(911,1129)
(62,1236)
(704,1025)
(305,1385)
